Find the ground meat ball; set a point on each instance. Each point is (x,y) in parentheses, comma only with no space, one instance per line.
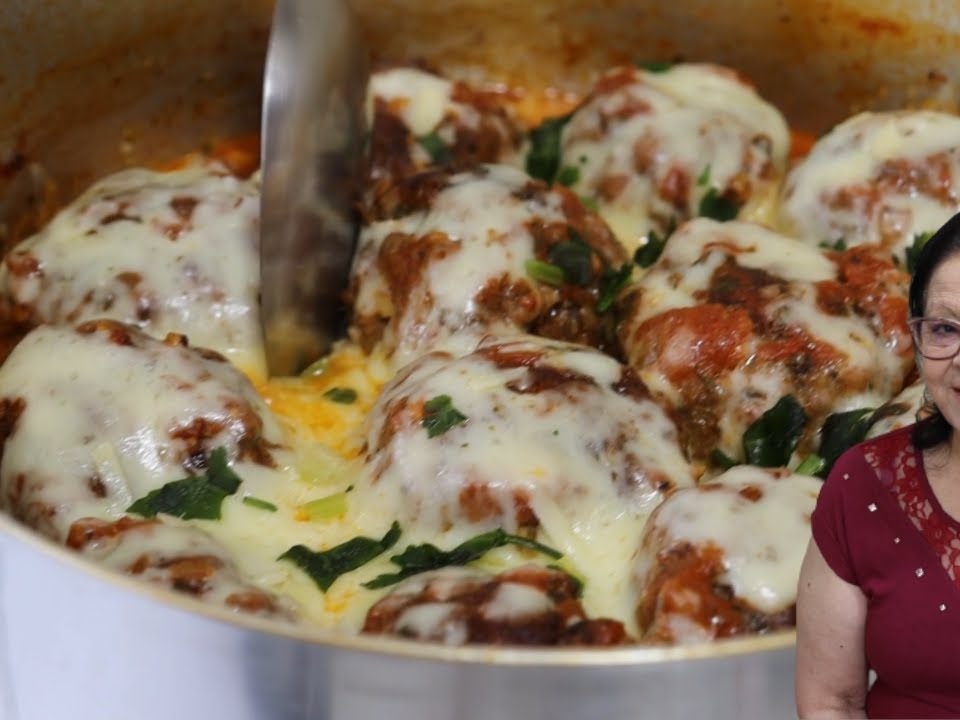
(556,437)
(722,559)
(444,259)
(526,606)
(419,118)
(734,317)
(165,251)
(118,414)
(878,179)
(647,147)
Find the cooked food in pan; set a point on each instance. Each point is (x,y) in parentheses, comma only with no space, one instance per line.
(596,364)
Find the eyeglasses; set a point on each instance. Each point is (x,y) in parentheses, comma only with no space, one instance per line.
(935,338)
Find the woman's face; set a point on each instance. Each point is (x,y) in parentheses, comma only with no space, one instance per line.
(943,376)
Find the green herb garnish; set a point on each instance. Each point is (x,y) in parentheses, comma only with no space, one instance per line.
(574,257)
(913,252)
(578,582)
(655,66)
(703,179)
(256,502)
(342,395)
(325,566)
(648,253)
(198,497)
(612,282)
(719,458)
(772,438)
(840,244)
(543,158)
(590,203)
(436,148)
(840,432)
(326,507)
(717,207)
(568,175)
(421,558)
(544,272)
(439,415)
(811,465)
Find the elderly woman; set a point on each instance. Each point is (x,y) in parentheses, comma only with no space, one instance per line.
(880,584)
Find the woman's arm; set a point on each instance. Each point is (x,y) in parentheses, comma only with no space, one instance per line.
(831,679)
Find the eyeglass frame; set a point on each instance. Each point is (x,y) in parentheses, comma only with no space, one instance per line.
(914,325)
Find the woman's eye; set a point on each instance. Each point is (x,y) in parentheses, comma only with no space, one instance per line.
(943,329)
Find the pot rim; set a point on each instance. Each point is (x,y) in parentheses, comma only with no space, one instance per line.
(398,647)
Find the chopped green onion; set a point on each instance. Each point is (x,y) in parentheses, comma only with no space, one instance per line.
(436,148)
(325,508)
(544,272)
(655,66)
(612,284)
(256,502)
(704,178)
(717,207)
(590,203)
(811,465)
(342,395)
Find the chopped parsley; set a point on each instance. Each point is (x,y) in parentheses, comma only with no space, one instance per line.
(772,438)
(840,244)
(342,395)
(574,257)
(439,415)
(913,252)
(568,175)
(544,272)
(198,497)
(543,158)
(717,207)
(436,148)
(421,558)
(259,504)
(840,432)
(655,66)
(648,253)
(325,566)
(612,282)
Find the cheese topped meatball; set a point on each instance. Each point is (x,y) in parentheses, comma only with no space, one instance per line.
(733,317)
(95,417)
(723,559)
(902,410)
(527,433)
(175,556)
(165,251)
(528,605)
(420,118)
(649,147)
(445,259)
(877,178)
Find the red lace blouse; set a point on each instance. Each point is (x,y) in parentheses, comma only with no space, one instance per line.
(879,526)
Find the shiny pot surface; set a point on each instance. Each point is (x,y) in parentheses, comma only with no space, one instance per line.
(86,88)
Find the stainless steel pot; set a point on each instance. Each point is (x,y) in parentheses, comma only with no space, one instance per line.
(86,88)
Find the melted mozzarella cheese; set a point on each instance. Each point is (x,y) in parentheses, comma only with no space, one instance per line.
(587,460)
(900,411)
(485,217)
(877,178)
(761,564)
(650,149)
(682,277)
(168,252)
(420,98)
(115,418)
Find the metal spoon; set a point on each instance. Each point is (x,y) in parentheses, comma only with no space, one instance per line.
(312,132)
